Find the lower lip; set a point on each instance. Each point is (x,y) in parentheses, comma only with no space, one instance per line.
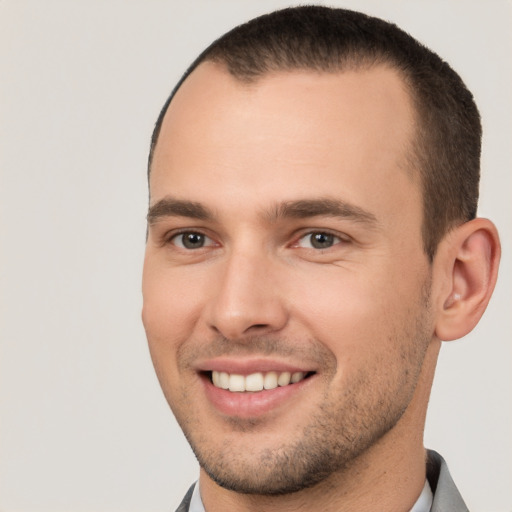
(252,404)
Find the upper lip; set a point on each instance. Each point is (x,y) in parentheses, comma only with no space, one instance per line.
(242,366)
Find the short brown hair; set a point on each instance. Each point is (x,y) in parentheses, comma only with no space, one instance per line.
(446,147)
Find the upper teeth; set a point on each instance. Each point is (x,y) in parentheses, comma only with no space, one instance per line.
(254,381)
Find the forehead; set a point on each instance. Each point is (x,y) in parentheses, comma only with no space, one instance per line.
(345,132)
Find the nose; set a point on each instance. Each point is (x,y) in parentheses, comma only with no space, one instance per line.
(247,299)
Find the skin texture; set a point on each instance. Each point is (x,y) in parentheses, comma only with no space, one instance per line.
(360,314)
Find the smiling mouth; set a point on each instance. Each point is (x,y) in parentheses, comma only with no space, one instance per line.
(254,382)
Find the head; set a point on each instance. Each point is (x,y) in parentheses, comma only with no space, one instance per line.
(310,241)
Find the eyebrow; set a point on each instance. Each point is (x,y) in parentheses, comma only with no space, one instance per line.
(170,207)
(299,209)
(325,207)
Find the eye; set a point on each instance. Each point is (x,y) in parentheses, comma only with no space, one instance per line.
(318,240)
(191,240)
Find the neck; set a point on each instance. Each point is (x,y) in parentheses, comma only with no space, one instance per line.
(390,474)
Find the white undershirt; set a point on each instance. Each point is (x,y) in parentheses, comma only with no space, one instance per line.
(423,504)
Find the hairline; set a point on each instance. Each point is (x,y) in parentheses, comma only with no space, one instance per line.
(412,161)
(355,63)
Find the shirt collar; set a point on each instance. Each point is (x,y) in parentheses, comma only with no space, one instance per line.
(196,504)
(423,504)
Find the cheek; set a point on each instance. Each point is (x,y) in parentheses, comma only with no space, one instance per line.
(339,304)
(171,306)
(363,319)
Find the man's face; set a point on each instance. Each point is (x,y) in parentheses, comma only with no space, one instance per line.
(285,242)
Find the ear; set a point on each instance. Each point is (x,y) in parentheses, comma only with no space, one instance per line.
(467,262)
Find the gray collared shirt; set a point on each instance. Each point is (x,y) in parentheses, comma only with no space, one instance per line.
(423,504)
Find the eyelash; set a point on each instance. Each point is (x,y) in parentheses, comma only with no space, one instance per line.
(338,239)
(169,239)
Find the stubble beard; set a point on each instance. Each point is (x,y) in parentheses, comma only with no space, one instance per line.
(324,448)
(340,430)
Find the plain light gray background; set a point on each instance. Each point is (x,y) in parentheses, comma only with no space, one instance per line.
(83,425)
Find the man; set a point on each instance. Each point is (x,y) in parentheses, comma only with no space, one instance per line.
(311,240)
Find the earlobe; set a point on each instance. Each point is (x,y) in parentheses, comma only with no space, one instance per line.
(470,257)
